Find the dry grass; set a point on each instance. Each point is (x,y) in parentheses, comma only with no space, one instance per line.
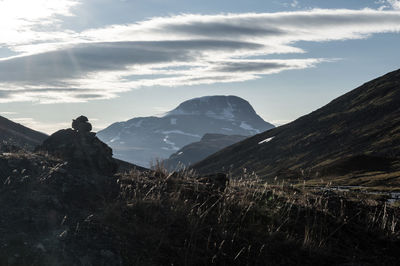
(375,181)
(177,220)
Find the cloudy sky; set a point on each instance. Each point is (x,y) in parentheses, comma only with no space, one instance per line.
(113,60)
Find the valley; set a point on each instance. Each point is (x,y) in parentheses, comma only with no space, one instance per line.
(322,190)
(199,133)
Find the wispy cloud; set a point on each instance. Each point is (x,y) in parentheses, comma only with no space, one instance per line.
(293,4)
(39,125)
(395,4)
(175,51)
(27,22)
(51,127)
(388,4)
(280,122)
(8,113)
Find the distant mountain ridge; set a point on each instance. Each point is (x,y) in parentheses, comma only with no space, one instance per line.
(143,139)
(363,124)
(19,135)
(197,151)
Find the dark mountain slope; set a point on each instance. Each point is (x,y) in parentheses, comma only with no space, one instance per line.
(19,135)
(197,151)
(365,121)
(63,205)
(144,139)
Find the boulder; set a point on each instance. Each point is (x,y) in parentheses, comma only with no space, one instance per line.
(81,124)
(80,148)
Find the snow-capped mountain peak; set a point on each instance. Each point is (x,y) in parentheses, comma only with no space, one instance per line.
(218,107)
(140,140)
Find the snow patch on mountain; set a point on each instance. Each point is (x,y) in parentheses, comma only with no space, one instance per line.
(226,114)
(218,107)
(172,144)
(179,132)
(246,126)
(265,140)
(116,138)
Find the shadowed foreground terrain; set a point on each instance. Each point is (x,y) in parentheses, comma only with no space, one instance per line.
(53,214)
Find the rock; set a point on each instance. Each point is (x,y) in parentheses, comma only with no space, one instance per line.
(81,124)
(43,199)
(80,148)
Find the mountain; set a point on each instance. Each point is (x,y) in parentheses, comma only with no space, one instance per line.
(358,130)
(67,205)
(197,151)
(144,139)
(19,135)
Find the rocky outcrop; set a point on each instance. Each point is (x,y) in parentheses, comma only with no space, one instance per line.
(80,148)
(53,194)
(81,124)
(46,210)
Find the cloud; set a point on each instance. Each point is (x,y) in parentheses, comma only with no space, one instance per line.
(395,4)
(8,113)
(41,126)
(51,127)
(33,21)
(389,4)
(176,51)
(280,122)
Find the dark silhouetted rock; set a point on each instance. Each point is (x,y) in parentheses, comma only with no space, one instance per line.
(81,148)
(81,124)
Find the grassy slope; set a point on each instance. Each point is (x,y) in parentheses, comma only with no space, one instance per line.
(52,215)
(363,121)
(19,134)
(180,221)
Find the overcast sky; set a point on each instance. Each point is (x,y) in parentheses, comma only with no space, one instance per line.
(113,60)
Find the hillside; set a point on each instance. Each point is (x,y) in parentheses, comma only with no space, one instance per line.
(67,203)
(55,213)
(349,133)
(19,135)
(143,140)
(197,151)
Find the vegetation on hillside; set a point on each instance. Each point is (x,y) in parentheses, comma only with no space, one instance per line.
(177,220)
(53,214)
